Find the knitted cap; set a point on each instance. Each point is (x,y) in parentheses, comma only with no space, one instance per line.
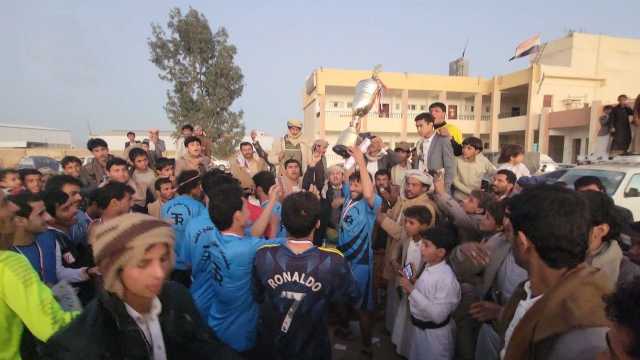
(123,241)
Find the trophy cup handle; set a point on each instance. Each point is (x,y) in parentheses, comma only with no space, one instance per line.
(356,122)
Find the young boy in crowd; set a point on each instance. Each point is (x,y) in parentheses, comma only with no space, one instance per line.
(142,174)
(10,182)
(113,199)
(467,214)
(433,298)
(118,170)
(44,252)
(166,167)
(199,231)
(31,180)
(71,166)
(291,180)
(76,257)
(354,241)
(288,277)
(72,186)
(228,254)
(138,314)
(264,180)
(406,256)
(93,212)
(25,301)
(472,166)
(164,192)
(179,211)
(193,159)
(95,172)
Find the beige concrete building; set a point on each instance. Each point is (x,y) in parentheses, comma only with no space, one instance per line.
(552,106)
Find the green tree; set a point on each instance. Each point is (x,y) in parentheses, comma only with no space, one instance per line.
(206,81)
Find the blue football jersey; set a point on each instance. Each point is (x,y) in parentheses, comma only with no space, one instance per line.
(179,211)
(356,228)
(228,259)
(297,290)
(200,231)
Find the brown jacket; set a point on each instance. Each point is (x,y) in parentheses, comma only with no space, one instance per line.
(93,174)
(155,208)
(187,162)
(573,305)
(255,166)
(393,226)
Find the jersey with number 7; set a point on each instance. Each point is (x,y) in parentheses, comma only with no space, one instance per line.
(297,290)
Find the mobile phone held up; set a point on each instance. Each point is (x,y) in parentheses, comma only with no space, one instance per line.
(408,271)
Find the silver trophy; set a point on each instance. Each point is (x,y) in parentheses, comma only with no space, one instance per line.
(367,92)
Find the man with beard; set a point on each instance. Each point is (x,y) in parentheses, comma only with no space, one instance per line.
(354,240)
(95,172)
(503,183)
(247,162)
(416,185)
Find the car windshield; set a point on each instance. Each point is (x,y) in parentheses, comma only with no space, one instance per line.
(610,179)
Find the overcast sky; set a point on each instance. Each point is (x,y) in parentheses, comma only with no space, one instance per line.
(85,64)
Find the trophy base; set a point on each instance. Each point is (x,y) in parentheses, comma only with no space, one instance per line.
(342,151)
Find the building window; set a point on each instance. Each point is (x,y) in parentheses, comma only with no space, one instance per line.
(633,189)
(412,107)
(547,101)
(423,107)
(397,106)
(349,105)
(336,104)
(383,110)
(488,109)
(472,108)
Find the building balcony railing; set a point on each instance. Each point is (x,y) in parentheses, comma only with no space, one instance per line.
(510,114)
(348,114)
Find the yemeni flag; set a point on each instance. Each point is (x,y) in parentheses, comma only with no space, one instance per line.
(527,47)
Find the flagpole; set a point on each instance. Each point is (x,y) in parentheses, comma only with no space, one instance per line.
(539,55)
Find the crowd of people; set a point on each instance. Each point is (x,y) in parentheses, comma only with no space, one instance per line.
(175,258)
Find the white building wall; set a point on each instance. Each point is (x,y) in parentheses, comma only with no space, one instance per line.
(10,133)
(570,134)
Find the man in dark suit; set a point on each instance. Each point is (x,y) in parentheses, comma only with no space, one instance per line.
(433,152)
(620,127)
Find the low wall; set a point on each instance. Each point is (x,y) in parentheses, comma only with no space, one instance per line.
(11,157)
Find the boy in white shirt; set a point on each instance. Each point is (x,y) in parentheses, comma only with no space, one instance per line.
(433,298)
(407,252)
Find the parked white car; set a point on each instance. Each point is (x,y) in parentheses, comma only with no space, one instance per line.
(223,165)
(621,177)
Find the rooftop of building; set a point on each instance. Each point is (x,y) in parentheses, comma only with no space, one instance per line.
(20,126)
